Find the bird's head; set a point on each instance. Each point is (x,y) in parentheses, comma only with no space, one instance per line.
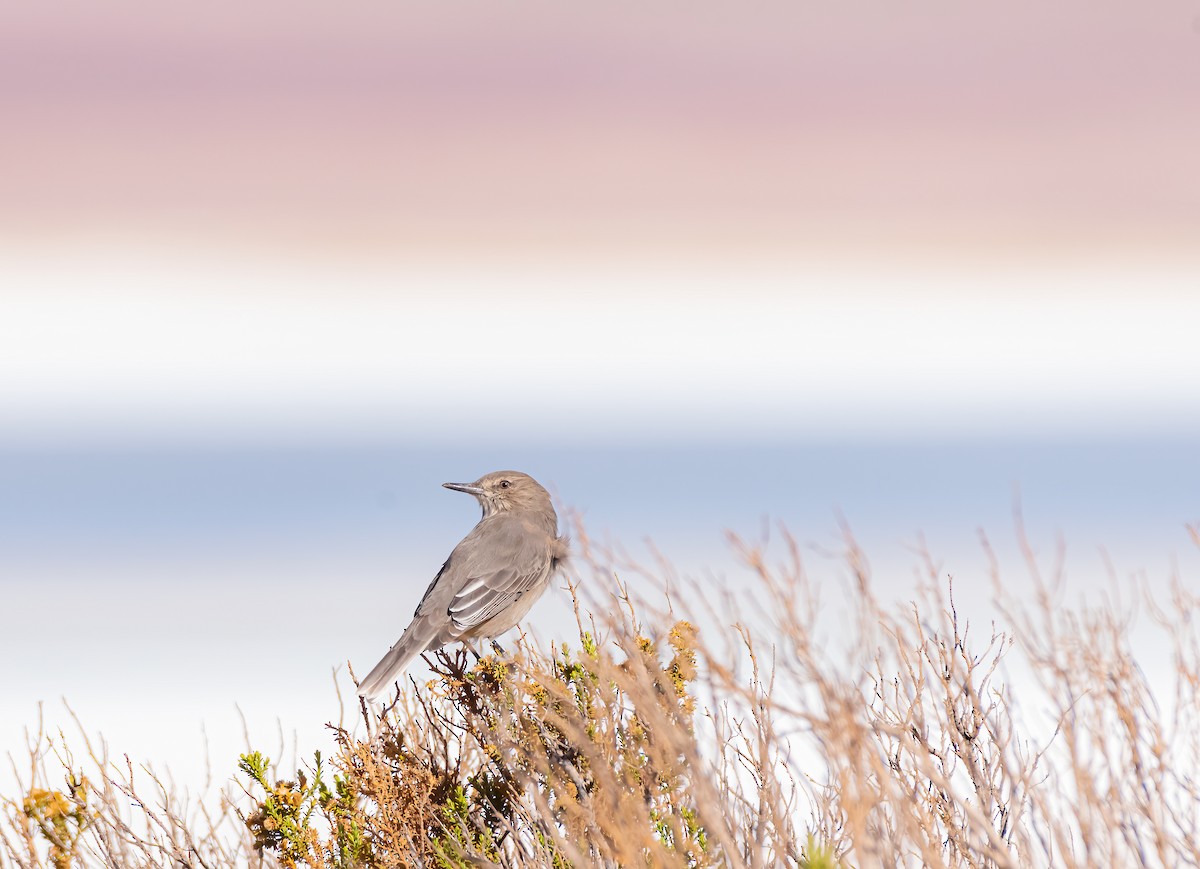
(504,491)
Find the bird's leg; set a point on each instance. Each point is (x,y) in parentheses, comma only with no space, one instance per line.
(499,649)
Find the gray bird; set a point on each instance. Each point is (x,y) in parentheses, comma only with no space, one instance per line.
(490,580)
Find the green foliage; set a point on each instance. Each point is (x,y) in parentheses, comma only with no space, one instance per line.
(818,856)
(283,820)
(60,817)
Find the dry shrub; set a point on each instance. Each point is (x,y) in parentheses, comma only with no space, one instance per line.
(732,731)
(90,809)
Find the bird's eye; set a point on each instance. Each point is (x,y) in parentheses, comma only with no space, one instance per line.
(504,484)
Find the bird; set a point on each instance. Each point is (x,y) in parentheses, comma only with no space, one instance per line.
(491,579)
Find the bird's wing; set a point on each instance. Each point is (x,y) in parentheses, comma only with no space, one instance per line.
(504,563)
(432,586)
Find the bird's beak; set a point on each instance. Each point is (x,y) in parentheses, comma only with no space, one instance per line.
(464,487)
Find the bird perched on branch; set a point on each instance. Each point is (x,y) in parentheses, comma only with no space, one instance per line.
(490,580)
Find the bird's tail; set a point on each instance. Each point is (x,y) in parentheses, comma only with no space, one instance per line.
(419,636)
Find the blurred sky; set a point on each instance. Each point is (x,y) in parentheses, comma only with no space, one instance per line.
(449,130)
(270,274)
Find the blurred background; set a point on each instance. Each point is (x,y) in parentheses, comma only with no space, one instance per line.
(271,274)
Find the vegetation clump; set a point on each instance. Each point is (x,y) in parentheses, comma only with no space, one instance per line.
(747,732)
